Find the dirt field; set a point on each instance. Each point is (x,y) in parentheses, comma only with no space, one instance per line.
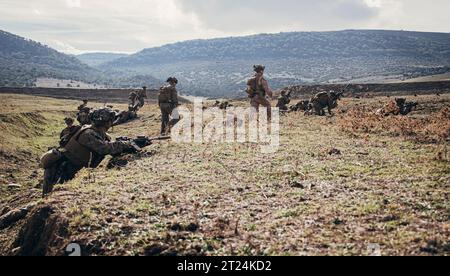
(350,184)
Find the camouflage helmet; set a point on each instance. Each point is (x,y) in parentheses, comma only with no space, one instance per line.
(68,120)
(259,68)
(85,100)
(172,79)
(103,115)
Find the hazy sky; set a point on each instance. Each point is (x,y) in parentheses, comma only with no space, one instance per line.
(76,26)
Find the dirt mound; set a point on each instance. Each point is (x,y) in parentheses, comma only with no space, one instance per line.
(23,125)
(43,230)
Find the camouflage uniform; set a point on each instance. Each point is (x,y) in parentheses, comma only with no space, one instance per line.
(83,116)
(67,131)
(85,103)
(70,129)
(124,116)
(168,101)
(283,102)
(142,95)
(258,89)
(133,101)
(86,149)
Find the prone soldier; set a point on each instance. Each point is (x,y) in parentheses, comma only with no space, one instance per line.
(83,113)
(124,116)
(69,128)
(284,100)
(85,149)
(83,105)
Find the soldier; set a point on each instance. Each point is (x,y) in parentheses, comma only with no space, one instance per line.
(258,90)
(168,102)
(125,116)
(84,105)
(217,104)
(133,100)
(86,149)
(142,95)
(83,113)
(283,101)
(69,128)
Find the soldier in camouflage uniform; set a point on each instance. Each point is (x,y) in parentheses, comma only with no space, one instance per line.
(83,113)
(133,101)
(82,106)
(259,91)
(70,128)
(125,116)
(168,101)
(142,95)
(86,149)
(283,101)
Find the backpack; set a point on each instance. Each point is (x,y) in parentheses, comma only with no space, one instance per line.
(66,138)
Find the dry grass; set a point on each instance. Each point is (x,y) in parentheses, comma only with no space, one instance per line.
(432,129)
(334,188)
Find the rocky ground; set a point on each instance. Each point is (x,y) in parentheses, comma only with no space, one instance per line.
(334,188)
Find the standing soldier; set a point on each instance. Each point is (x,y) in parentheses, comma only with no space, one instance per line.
(142,95)
(259,91)
(168,101)
(86,149)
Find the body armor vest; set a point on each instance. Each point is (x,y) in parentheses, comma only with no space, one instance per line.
(78,154)
(257,87)
(164,95)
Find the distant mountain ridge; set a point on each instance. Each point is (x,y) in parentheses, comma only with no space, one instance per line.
(96,59)
(219,67)
(22,61)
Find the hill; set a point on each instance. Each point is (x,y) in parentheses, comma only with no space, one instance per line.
(96,59)
(22,61)
(219,67)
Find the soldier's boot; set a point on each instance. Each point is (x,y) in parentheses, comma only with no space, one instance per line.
(49,180)
(165,124)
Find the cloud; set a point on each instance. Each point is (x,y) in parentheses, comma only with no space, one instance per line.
(131,25)
(261,15)
(73,3)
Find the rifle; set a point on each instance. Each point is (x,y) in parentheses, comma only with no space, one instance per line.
(141,142)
